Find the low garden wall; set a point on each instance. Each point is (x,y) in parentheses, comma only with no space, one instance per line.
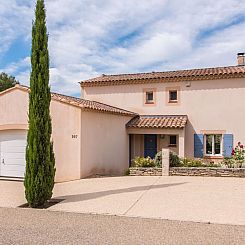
(139,171)
(207,171)
(190,171)
(189,167)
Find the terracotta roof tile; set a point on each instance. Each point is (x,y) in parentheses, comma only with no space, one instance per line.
(159,121)
(91,105)
(168,76)
(84,104)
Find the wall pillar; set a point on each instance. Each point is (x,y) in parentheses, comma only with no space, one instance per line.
(182,144)
(165,162)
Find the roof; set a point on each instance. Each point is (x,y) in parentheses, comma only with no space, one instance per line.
(159,121)
(82,103)
(168,76)
(91,105)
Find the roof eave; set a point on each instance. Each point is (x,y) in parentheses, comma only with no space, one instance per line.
(159,79)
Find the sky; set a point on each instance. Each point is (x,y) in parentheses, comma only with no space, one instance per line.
(88,38)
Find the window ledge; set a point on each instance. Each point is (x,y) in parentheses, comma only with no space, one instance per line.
(173,101)
(174,146)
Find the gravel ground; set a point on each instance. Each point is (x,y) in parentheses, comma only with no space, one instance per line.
(26,226)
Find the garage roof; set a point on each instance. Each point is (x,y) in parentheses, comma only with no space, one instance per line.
(82,103)
(91,105)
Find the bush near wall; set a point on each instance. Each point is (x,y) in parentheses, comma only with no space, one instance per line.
(145,162)
(236,161)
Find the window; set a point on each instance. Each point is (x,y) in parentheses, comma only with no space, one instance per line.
(149,97)
(173,96)
(213,144)
(172,140)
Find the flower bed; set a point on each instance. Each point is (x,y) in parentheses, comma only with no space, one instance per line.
(229,167)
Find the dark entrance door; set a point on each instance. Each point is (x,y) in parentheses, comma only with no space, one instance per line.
(150,145)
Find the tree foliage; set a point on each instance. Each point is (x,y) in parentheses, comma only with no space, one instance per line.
(7,81)
(40,161)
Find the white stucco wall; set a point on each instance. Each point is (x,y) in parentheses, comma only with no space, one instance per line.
(13,109)
(105,144)
(66,121)
(209,105)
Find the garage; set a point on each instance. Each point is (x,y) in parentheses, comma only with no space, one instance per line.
(82,146)
(12,152)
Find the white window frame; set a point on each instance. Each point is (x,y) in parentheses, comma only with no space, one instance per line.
(221,145)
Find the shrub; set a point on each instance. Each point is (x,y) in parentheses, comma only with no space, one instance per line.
(143,162)
(127,172)
(238,153)
(174,159)
(189,162)
(158,159)
(229,162)
(237,159)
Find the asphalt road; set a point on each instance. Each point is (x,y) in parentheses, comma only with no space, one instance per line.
(26,226)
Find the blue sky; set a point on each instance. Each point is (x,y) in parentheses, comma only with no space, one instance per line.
(88,38)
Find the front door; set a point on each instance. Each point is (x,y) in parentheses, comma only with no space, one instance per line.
(150,145)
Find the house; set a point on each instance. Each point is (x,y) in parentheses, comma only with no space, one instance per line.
(196,113)
(89,137)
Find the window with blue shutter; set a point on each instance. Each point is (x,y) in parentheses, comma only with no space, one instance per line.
(228,145)
(198,145)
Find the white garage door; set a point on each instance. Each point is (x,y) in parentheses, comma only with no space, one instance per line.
(12,152)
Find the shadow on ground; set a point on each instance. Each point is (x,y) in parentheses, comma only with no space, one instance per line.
(95,195)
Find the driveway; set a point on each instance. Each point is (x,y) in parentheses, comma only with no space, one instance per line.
(198,199)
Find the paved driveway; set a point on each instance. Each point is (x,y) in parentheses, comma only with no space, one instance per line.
(198,199)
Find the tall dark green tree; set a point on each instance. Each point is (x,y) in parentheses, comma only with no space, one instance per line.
(7,81)
(40,161)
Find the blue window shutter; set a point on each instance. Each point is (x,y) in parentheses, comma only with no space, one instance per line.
(228,144)
(198,145)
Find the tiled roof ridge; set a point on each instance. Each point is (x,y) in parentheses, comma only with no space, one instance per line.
(192,74)
(180,70)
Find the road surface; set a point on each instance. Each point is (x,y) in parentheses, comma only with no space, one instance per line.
(27,226)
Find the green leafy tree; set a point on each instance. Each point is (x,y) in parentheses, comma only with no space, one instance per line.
(40,161)
(7,81)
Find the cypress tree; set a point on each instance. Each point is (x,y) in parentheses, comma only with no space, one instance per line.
(40,161)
